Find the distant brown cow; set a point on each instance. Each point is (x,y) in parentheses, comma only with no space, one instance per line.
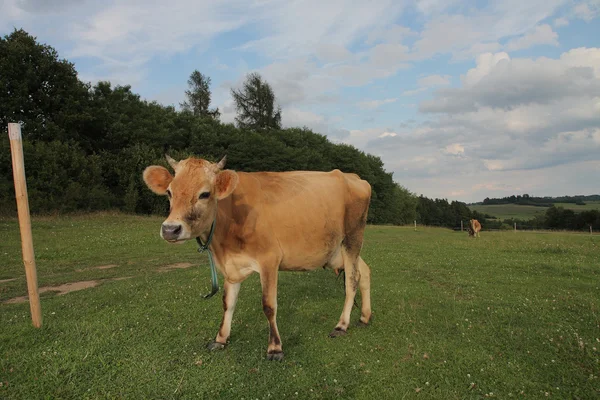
(474,228)
(267,222)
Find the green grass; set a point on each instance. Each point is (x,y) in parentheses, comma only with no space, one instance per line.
(513,314)
(589,205)
(506,211)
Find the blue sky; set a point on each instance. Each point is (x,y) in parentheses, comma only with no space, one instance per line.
(461,99)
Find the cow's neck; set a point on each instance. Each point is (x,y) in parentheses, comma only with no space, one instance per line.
(205,240)
(219,224)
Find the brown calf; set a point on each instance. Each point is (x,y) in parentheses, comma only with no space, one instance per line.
(474,228)
(268,222)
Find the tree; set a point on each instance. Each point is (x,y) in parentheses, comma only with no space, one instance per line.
(40,90)
(255,104)
(198,96)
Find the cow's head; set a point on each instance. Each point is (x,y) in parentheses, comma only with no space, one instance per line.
(193,193)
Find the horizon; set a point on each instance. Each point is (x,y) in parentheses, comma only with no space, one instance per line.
(459,101)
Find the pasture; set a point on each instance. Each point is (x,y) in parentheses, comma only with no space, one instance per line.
(506,211)
(516,211)
(507,315)
(589,205)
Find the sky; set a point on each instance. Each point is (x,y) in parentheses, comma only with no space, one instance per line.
(461,99)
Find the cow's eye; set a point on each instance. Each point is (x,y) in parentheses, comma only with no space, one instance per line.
(169,193)
(204,195)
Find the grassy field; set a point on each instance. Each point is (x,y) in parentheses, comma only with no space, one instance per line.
(589,205)
(506,315)
(505,211)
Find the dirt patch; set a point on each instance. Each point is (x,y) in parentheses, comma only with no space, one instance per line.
(109,266)
(7,280)
(106,266)
(122,278)
(171,267)
(61,289)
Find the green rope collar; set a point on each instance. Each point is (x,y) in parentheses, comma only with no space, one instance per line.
(202,247)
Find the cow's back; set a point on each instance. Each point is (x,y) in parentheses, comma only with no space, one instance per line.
(307,213)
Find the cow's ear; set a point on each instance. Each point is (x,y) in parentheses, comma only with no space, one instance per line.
(225,183)
(157,179)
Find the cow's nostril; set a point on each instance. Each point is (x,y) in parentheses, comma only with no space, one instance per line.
(171,232)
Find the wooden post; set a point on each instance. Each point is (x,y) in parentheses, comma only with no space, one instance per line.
(515,226)
(591,233)
(415,225)
(461,225)
(18,165)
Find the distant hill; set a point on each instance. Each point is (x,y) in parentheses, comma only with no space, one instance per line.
(547,201)
(525,207)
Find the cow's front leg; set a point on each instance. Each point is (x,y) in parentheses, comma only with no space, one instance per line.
(230,296)
(268,280)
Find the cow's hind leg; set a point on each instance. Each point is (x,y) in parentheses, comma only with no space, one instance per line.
(352,276)
(268,280)
(365,291)
(230,296)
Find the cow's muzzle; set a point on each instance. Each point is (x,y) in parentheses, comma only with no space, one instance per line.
(171,232)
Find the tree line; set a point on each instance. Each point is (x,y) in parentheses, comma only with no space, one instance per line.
(526,199)
(558,218)
(86,145)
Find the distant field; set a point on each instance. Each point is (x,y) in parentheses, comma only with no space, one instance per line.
(505,211)
(589,205)
(507,315)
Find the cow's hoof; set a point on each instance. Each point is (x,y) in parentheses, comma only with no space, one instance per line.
(275,356)
(212,346)
(337,332)
(362,323)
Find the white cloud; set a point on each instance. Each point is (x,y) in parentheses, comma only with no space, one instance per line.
(413,92)
(393,34)
(332,53)
(560,22)
(434,80)
(429,7)
(373,104)
(454,149)
(449,33)
(467,35)
(294,117)
(485,63)
(388,55)
(499,82)
(428,82)
(293,29)
(587,10)
(228,111)
(542,34)
(361,137)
